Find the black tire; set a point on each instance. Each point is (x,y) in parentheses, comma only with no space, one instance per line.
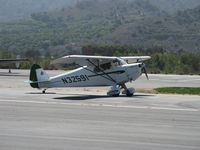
(128,94)
(116,95)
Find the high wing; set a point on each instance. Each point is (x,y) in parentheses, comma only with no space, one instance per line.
(134,59)
(85,60)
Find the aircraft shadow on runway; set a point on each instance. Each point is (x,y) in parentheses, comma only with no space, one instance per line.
(40,93)
(81,97)
(88,97)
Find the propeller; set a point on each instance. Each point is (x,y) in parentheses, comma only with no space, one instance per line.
(145,71)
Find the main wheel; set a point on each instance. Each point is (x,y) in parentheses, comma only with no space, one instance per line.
(115,95)
(115,92)
(128,93)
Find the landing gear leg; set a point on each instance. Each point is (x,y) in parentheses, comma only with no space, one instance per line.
(44,91)
(128,91)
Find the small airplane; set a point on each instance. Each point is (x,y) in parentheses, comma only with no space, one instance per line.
(16,61)
(92,71)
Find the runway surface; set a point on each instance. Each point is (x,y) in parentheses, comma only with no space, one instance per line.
(86,119)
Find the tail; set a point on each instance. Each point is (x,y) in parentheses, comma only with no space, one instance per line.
(37,75)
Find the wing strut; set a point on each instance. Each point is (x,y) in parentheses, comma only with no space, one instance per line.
(94,72)
(108,77)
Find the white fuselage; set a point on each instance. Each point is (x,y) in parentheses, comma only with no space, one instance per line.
(85,76)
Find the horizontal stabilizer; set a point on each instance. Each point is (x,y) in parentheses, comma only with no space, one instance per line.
(29,81)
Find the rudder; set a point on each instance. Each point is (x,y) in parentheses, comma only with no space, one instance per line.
(37,74)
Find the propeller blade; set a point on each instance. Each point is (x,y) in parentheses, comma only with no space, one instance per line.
(145,71)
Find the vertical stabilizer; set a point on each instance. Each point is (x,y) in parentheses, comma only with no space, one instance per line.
(37,75)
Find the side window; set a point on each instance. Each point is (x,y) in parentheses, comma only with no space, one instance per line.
(105,66)
(96,69)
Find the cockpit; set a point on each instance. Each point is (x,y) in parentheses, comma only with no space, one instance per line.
(105,66)
(102,65)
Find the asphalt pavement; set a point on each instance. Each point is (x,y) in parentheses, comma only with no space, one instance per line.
(87,119)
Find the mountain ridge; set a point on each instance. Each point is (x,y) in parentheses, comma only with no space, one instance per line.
(18,9)
(135,22)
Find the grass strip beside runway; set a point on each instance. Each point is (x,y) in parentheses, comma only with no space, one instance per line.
(179,90)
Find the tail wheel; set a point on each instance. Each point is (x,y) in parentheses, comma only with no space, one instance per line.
(44,91)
